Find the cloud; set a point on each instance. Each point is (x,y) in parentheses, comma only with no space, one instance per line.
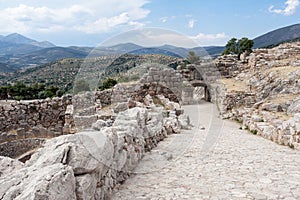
(166,19)
(163,19)
(210,39)
(96,16)
(290,9)
(150,37)
(157,37)
(192,23)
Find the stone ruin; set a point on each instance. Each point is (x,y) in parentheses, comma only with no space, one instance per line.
(262,92)
(128,123)
(92,141)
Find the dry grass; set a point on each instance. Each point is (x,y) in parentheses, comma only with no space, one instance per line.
(283,71)
(282,116)
(234,85)
(281,98)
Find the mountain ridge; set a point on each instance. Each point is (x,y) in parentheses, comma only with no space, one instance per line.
(277,36)
(19,51)
(16,38)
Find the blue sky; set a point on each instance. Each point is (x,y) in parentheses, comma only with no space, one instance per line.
(88,23)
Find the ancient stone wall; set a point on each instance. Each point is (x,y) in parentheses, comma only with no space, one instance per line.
(271,109)
(16,148)
(236,100)
(27,119)
(165,77)
(230,66)
(88,165)
(138,91)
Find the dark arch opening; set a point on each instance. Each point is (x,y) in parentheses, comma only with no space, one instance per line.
(200,83)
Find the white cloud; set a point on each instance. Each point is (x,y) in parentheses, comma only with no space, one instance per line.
(290,9)
(157,37)
(150,37)
(192,23)
(166,19)
(210,39)
(94,16)
(163,19)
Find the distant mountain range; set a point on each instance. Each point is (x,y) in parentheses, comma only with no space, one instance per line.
(18,51)
(278,36)
(16,38)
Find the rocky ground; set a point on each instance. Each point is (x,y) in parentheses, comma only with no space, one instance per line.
(264,93)
(238,166)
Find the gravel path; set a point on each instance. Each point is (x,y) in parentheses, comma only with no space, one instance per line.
(220,162)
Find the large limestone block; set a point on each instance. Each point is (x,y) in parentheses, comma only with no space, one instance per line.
(50,182)
(85,152)
(8,165)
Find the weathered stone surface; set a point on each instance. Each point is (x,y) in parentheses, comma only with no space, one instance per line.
(294,107)
(264,94)
(121,107)
(87,165)
(99,124)
(184,122)
(8,165)
(50,182)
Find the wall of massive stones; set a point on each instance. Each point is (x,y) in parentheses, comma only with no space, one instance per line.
(31,119)
(166,77)
(25,122)
(138,91)
(87,165)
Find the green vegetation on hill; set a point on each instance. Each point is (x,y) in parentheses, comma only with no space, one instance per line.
(20,91)
(65,72)
(61,74)
(108,83)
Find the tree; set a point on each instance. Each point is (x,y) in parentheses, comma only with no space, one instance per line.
(193,57)
(245,45)
(231,47)
(108,83)
(235,46)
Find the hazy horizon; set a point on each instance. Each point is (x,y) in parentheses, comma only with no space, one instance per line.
(207,23)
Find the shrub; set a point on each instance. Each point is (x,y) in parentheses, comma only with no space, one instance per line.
(108,83)
(254,132)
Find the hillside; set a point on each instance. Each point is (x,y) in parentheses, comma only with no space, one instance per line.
(48,55)
(62,73)
(278,36)
(4,68)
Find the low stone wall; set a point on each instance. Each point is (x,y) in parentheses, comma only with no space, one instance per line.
(88,165)
(270,126)
(16,148)
(25,120)
(48,113)
(227,101)
(103,97)
(25,124)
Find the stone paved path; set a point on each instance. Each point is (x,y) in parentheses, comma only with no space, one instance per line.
(237,165)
